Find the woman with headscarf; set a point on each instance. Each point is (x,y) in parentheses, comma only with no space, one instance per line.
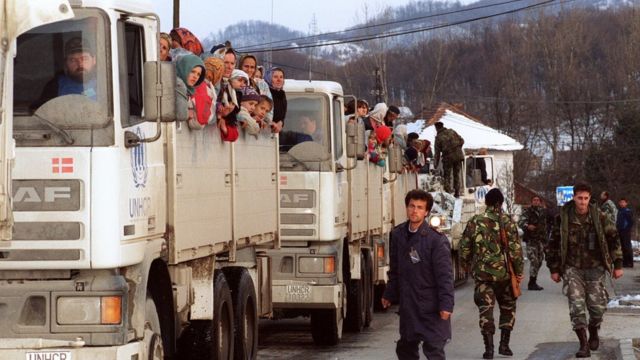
(215,70)
(275,79)
(376,117)
(183,38)
(249,64)
(191,71)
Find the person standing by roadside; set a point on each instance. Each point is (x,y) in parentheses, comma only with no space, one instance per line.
(584,246)
(448,146)
(624,223)
(482,251)
(421,281)
(607,206)
(534,224)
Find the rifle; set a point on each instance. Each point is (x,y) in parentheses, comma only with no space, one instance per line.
(515,283)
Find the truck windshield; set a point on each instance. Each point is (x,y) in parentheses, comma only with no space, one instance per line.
(61,87)
(305,139)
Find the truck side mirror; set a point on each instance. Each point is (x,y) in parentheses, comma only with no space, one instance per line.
(395,159)
(160,99)
(355,141)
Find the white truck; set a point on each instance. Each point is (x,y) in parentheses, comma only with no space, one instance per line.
(134,236)
(336,212)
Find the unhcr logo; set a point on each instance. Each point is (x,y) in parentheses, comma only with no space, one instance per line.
(139,162)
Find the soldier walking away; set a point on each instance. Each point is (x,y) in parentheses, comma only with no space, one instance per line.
(421,280)
(482,250)
(608,207)
(624,223)
(448,146)
(534,224)
(584,247)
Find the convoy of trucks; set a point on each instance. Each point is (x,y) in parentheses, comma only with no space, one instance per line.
(124,234)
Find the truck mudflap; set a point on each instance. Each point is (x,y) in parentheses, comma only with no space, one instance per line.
(31,349)
(383,277)
(303,295)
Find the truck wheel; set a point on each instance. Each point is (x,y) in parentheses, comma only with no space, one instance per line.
(326,326)
(152,332)
(212,339)
(356,308)
(246,318)
(368,290)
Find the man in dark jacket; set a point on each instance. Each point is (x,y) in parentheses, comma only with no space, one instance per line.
(624,223)
(421,280)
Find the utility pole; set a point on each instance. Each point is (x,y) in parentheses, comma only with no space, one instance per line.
(313,29)
(176,14)
(377,91)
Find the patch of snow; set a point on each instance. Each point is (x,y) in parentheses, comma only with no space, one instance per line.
(628,301)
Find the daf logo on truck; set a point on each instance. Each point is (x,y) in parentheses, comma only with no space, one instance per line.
(297,198)
(46,195)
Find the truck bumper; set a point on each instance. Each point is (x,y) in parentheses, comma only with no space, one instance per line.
(289,294)
(134,350)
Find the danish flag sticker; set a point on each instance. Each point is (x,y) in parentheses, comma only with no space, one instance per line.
(62,165)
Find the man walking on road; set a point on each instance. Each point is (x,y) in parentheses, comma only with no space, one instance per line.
(482,250)
(584,246)
(421,280)
(534,224)
(624,223)
(607,206)
(448,146)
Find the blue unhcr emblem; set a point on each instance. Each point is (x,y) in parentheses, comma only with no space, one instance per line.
(139,162)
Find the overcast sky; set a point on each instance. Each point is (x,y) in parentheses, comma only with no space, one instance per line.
(205,16)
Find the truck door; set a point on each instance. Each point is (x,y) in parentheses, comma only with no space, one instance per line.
(16,17)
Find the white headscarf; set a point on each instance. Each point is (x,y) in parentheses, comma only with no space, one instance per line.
(378,113)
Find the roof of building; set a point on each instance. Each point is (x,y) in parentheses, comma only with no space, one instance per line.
(475,134)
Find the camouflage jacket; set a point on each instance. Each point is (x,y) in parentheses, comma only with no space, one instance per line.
(534,215)
(609,209)
(481,250)
(569,233)
(449,144)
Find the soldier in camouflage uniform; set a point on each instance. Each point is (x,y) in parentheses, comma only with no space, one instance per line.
(448,145)
(584,246)
(481,251)
(608,207)
(534,224)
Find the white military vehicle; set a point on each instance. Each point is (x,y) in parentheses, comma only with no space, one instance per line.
(336,212)
(134,235)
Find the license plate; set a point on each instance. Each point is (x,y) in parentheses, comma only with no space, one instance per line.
(298,292)
(49,355)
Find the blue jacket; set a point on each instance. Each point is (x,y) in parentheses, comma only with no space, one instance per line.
(423,289)
(624,222)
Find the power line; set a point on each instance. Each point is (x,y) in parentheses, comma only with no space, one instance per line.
(406,32)
(259,45)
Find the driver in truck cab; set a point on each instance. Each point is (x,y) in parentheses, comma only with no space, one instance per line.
(79,76)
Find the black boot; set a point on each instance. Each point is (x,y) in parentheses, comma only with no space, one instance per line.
(583,352)
(488,346)
(533,285)
(594,340)
(503,349)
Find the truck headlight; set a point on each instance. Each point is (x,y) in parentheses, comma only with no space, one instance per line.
(316,264)
(435,221)
(89,310)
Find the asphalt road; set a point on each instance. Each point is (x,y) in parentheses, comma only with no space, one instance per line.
(542,332)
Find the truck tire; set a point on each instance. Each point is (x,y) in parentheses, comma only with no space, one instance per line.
(368,290)
(152,331)
(378,292)
(212,339)
(326,326)
(246,317)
